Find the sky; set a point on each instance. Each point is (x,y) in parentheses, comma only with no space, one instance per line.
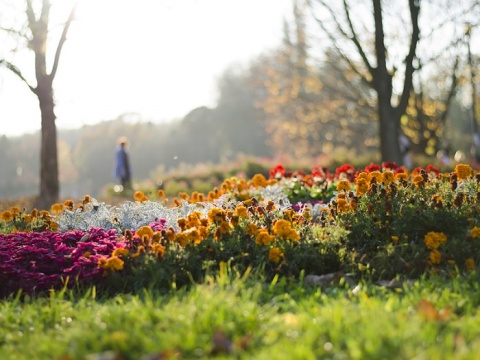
(156,58)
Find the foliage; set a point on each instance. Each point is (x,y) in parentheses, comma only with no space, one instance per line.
(378,222)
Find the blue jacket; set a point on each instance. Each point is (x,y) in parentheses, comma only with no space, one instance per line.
(122,164)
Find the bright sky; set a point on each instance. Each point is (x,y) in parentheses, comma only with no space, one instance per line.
(157,58)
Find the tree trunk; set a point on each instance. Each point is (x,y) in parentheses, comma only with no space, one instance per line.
(389,133)
(49,182)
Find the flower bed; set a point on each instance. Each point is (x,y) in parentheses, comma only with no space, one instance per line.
(380,222)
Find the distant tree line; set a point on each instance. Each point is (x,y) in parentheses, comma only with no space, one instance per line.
(346,95)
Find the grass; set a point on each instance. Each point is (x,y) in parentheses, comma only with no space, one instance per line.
(244,318)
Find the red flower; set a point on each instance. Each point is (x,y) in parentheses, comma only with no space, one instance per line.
(372,167)
(277,172)
(431,168)
(347,170)
(417,170)
(321,172)
(389,165)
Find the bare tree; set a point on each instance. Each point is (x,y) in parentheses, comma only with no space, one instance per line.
(385,41)
(36,34)
(373,66)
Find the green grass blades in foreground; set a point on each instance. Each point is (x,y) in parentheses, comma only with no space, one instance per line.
(250,319)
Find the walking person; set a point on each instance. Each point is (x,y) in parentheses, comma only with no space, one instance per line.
(122,164)
(404,143)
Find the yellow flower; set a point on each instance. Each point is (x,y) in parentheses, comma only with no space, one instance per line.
(435,257)
(216,215)
(27,218)
(343,185)
(57,208)
(159,250)
(259,180)
(69,204)
(223,228)
(470,264)
(263,237)
(251,229)
(113,263)
(52,226)
(275,255)
(377,175)
(401,176)
(387,177)
(394,238)
(434,239)
(361,186)
(6,216)
(144,231)
(283,229)
(241,211)
(418,180)
(194,219)
(363,175)
(138,196)
(463,171)
(120,252)
(475,232)
(343,205)
(15,210)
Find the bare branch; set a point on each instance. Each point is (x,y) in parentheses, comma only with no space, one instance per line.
(345,57)
(452,91)
(30,14)
(408,78)
(62,41)
(355,40)
(17,72)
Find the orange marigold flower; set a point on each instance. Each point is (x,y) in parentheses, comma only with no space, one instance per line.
(113,263)
(263,237)
(251,229)
(363,175)
(343,185)
(388,177)
(52,226)
(215,215)
(224,228)
(120,252)
(6,216)
(259,180)
(57,208)
(463,171)
(270,206)
(69,204)
(434,239)
(159,250)
(161,193)
(275,255)
(401,176)
(182,223)
(435,257)
(377,175)
(241,211)
(283,229)
(418,180)
(144,231)
(194,219)
(343,205)
(138,195)
(361,186)
(469,264)
(475,232)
